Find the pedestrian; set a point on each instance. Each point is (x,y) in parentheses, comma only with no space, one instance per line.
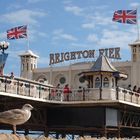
(80,93)
(138,91)
(135,88)
(57,87)
(129,87)
(45,81)
(66,92)
(12,75)
(58,91)
(80,89)
(53,94)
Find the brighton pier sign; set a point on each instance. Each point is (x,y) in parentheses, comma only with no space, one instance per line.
(113,53)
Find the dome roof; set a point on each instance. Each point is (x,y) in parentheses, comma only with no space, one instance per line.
(29,53)
(137,42)
(103,64)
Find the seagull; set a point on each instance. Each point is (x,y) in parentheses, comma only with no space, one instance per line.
(16,116)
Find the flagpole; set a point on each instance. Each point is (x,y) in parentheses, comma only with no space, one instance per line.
(27,43)
(27,39)
(137,24)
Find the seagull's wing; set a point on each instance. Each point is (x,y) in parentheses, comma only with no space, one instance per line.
(12,114)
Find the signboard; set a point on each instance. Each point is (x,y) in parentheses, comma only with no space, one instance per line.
(55,58)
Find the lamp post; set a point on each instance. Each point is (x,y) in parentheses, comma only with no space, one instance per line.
(3,46)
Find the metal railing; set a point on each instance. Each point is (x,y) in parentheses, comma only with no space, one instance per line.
(96,94)
(24,87)
(129,96)
(34,89)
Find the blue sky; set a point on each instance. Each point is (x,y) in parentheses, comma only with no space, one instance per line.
(65,25)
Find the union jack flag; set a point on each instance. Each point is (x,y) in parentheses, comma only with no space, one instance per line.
(17,32)
(125,16)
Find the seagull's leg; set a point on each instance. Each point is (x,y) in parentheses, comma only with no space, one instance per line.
(14,129)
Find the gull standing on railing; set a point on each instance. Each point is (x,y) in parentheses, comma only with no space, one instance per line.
(16,116)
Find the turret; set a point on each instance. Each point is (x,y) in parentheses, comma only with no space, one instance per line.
(135,51)
(135,65)
(28,64)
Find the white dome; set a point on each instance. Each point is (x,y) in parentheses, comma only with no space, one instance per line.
(30,53)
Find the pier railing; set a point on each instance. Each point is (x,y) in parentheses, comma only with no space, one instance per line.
(34,89)
(95,94)
(24,87)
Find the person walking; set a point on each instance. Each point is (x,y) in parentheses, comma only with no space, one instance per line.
(129,87)
(66,92)
(135,88)
(138,91)
(12,75)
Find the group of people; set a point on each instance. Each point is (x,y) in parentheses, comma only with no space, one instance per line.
(134,89)
(65,91)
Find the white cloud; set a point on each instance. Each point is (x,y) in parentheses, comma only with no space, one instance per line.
(100,7)
(88,25)
(43,60)
(23,16)
(114,38)
(95,20)
(67,2)
(74,9)
(92,38)
(14,54)
(68,37)
(3,36)
(98,18)
(42,34)
(91,17)
(34,1)
(14,6)
(80,45)
(35,34)
(59,34)
(135,5)
(58,31)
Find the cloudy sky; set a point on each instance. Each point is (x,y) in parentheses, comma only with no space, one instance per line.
(65,25)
